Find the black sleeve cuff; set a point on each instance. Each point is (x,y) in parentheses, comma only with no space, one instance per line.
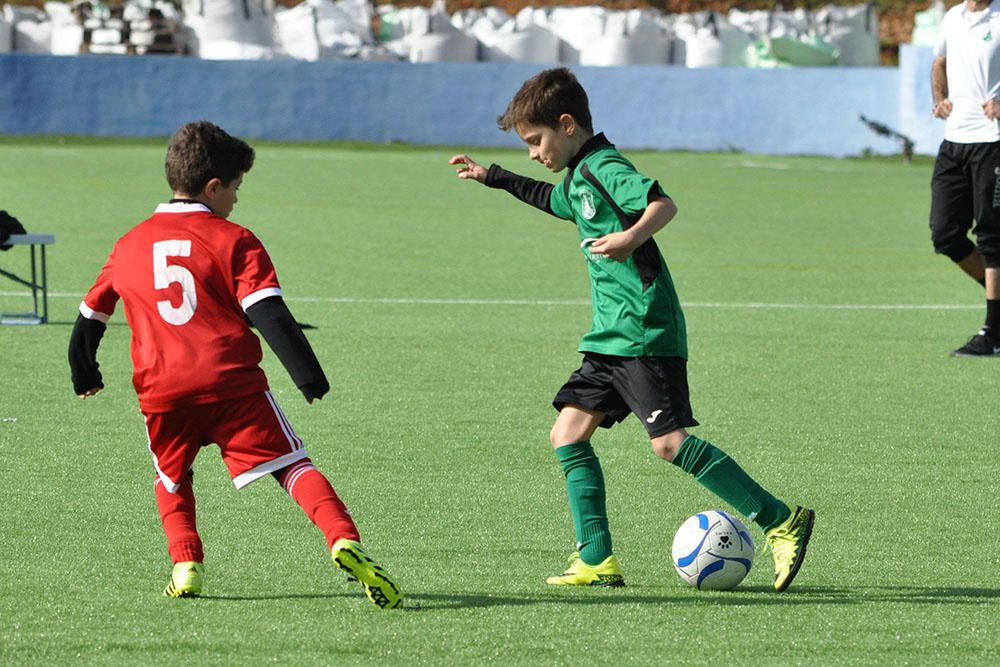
(656,192)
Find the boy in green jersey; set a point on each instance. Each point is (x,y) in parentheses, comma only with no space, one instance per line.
(635,354)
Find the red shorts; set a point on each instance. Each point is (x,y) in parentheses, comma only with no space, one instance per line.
(252,432)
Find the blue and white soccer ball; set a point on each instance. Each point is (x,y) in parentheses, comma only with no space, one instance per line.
(712,551)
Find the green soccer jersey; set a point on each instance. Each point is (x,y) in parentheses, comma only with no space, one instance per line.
(636,311)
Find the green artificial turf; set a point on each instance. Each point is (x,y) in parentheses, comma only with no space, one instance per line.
(446,317)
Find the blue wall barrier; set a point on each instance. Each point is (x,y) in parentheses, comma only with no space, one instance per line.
(783,111)
(915,119)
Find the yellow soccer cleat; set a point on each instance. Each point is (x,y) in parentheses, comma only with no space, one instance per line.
(185,580)
(378,585)
(608,573)
(788,542)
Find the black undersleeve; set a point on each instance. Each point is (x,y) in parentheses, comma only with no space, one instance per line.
(283,334)
(83,343)
(528,190)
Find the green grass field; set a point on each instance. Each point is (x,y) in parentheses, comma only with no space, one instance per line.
(447,315)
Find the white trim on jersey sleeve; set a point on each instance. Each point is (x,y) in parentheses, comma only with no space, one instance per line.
(258,296)
(92,314)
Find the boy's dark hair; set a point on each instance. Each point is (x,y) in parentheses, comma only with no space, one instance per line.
(546,96)
(201,151)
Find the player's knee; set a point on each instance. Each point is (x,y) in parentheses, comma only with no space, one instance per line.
(990,250)
(666,446)
(566,434)
(557,436)
(953,244)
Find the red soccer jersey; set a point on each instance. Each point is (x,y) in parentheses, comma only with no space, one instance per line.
(186,276)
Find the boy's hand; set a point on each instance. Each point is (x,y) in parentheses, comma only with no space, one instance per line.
(943,109)
(469,169)
(992,109)
(619,246)
(89,393)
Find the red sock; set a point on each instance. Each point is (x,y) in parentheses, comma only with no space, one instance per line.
(177,515)
(311,490)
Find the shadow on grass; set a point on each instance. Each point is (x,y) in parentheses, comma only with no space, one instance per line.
(634,595)
(588,597)
(750,596)
(283,596)
(926,594)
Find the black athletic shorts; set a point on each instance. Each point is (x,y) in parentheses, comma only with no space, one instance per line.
(655,389)
(966,187)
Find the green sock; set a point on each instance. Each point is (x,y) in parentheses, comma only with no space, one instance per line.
(725,478)
(585,488)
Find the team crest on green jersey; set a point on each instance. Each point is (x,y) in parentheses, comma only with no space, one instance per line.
(587,207)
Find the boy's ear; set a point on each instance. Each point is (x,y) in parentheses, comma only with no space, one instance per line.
(212,187)
(568,124)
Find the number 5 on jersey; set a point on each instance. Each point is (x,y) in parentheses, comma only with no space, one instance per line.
(164,274)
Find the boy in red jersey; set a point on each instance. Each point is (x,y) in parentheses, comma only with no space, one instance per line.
(189,280)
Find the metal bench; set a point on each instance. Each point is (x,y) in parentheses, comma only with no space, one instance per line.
(36,316)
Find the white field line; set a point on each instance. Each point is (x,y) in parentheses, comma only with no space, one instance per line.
(835,306)
(782,166)
(761,305)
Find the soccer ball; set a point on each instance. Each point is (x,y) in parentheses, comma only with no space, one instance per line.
(712,551)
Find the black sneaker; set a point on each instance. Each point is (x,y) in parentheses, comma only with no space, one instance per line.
(980,345)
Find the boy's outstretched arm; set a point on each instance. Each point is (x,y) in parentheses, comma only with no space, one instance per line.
(83,344)
(619,246)
(528,190)
(284,335)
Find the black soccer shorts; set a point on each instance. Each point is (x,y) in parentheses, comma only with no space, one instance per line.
(654,389)
(965,186)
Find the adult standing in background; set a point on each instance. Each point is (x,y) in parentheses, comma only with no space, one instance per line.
(965,82)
